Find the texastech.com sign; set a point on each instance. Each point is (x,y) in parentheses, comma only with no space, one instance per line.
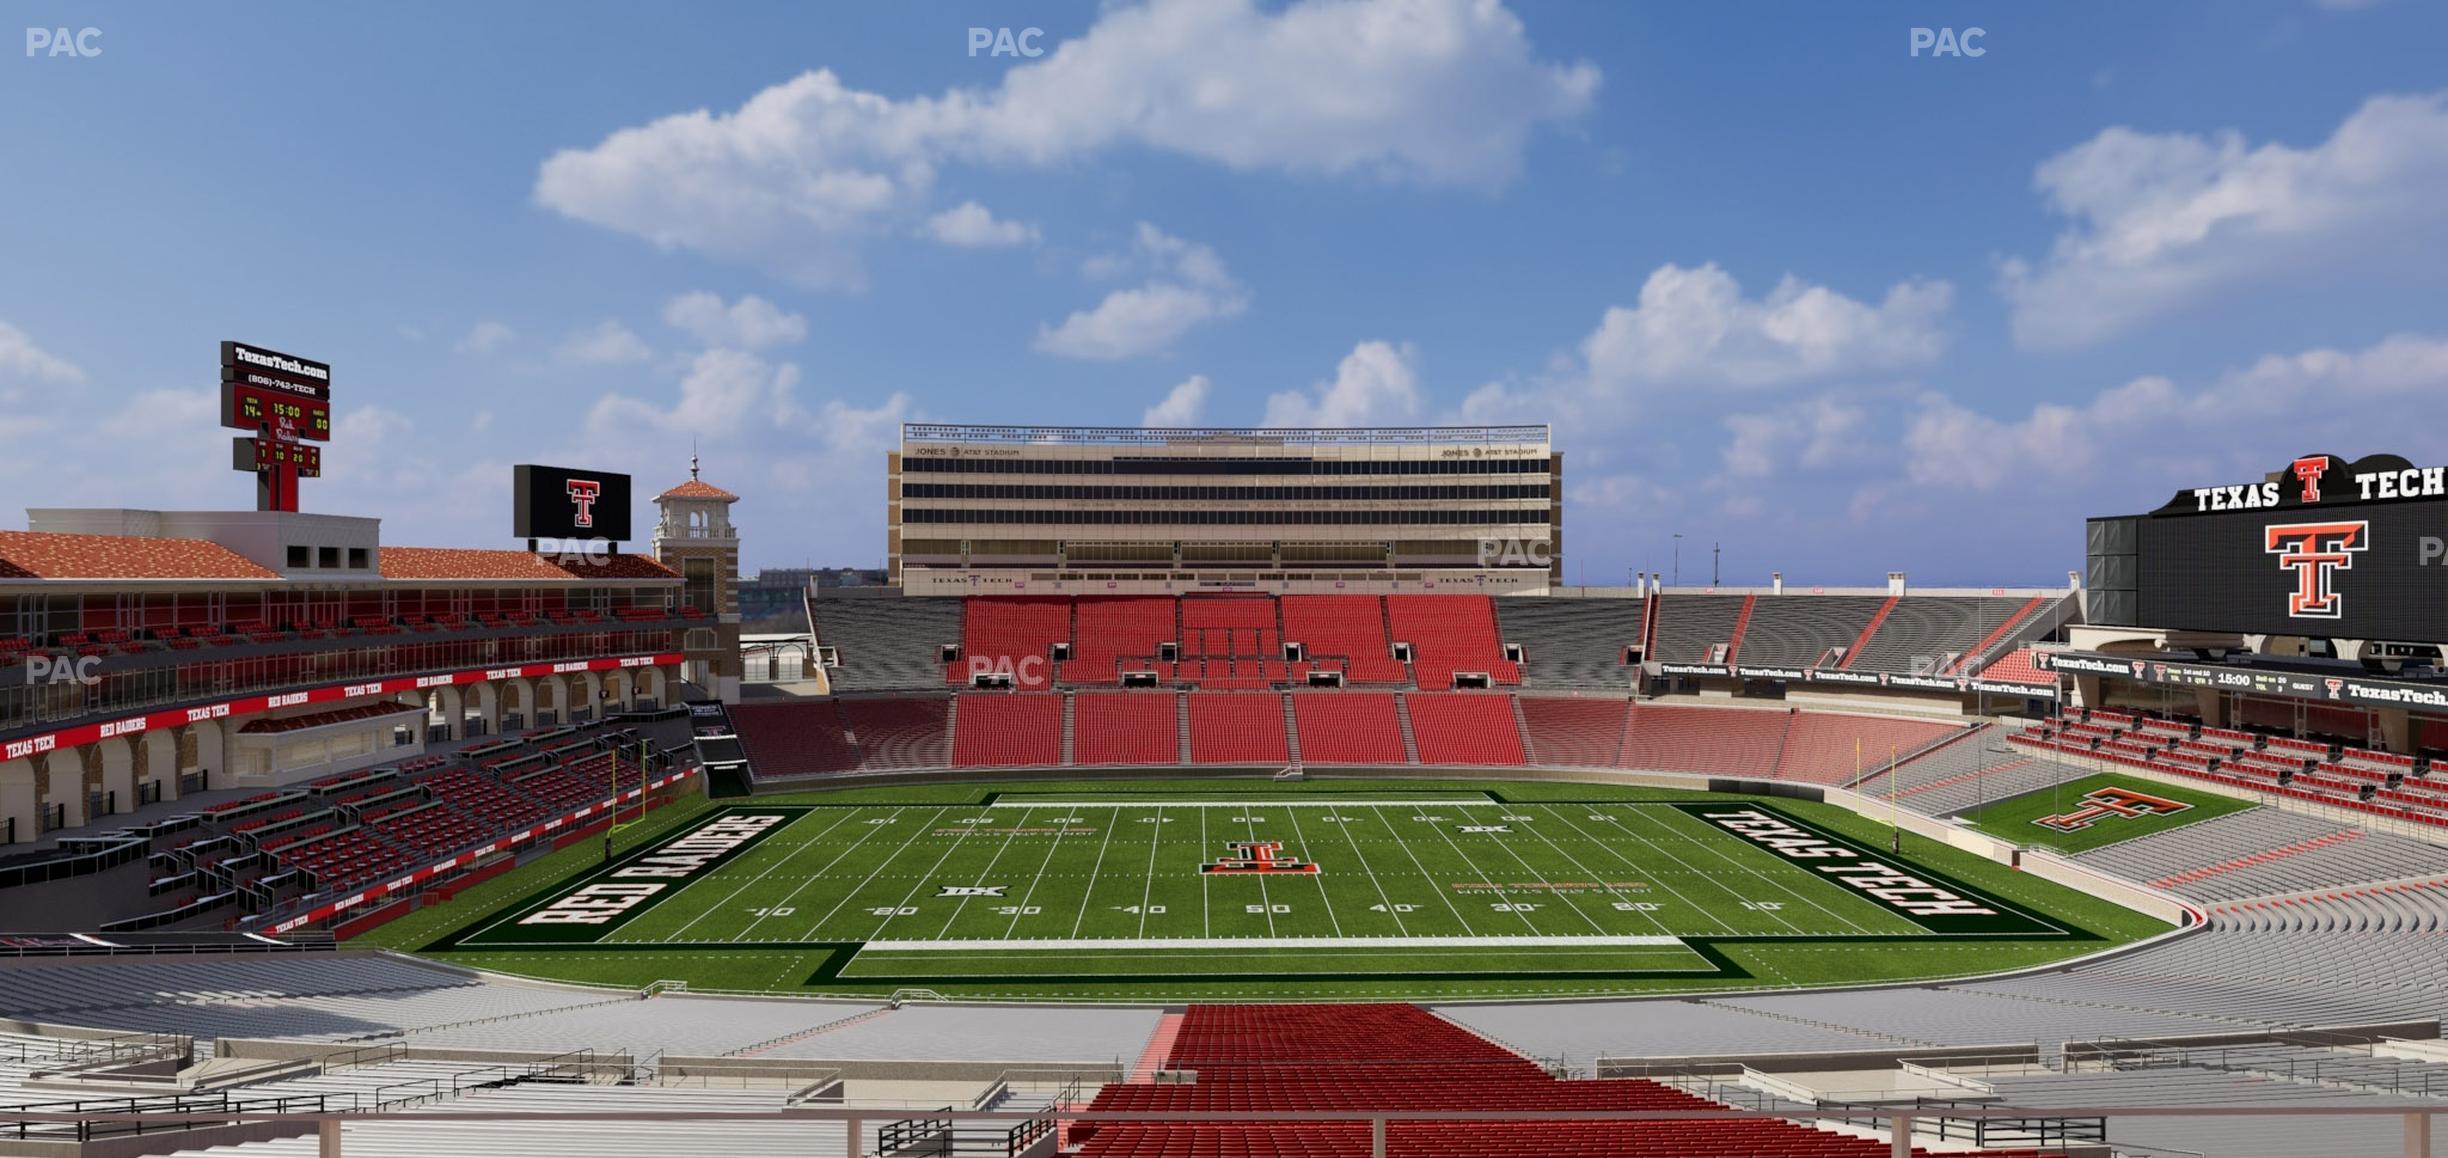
(1910,891)
(611,896)
(1890,680)
(2249,680)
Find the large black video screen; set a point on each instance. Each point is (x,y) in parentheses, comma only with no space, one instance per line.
(2360,571)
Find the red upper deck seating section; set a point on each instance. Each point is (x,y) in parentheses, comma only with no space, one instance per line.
(1114,633)
(1346,627)
(1348,728)
(1464,729)
(1011,634)
(1125,728)
(1448,634)
(999,729)
(1237,728)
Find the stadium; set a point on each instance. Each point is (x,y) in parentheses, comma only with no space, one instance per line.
(1224,579)
(1184,793)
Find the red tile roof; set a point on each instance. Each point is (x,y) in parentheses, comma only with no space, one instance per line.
(438,563)
(693,489)
(49,555)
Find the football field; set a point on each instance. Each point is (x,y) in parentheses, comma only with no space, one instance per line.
(1043,887)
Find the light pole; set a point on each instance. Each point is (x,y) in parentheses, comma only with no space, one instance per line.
(1678,559)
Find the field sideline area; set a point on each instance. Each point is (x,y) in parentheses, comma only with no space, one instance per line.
(1259,888)
(2099,810)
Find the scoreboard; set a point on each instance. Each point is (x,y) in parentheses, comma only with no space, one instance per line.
(2324,547)
(285,402)
(254,408)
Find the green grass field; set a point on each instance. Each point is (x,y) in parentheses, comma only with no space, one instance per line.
(2018,819)
(1343,888)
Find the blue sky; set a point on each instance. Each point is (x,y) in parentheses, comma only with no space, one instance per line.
(1778,283)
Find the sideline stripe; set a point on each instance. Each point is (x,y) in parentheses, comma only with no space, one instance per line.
(1246,805)
(1388,942)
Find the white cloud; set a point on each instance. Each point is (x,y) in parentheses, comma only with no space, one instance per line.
(2246,420)
(1812,434)
(1440,92)
(21,358)
(1184,405)
(1694,327)
(971,226)
(1188,284)
(1374,385)
(726,392)
(2158,221)
(751,323)
(606,343)
(485,338)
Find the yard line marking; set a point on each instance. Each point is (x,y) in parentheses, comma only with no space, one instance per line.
(1206,925)
(923,877)
(1585,871)
(787,857)
(1433,885)
(1147,884)
(853,891)
(1266,904)
(1093,873)
(1697,908)
(1717,848)
(1525,866)
(991,862)
(1362,859)
(1019,909)
(819,874)
(1318,877)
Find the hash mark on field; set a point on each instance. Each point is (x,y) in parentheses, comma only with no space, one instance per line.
(1318,877)
(1147,886)
(1265,902)
(1596,878)
(912,894)
(1660,848)
(853,891)
(785,858)
(1718,847)
(1433,885)
(1518,859)
(1010,835)
(1020,910)
(1361,859)
(1089,894)
(785,902)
